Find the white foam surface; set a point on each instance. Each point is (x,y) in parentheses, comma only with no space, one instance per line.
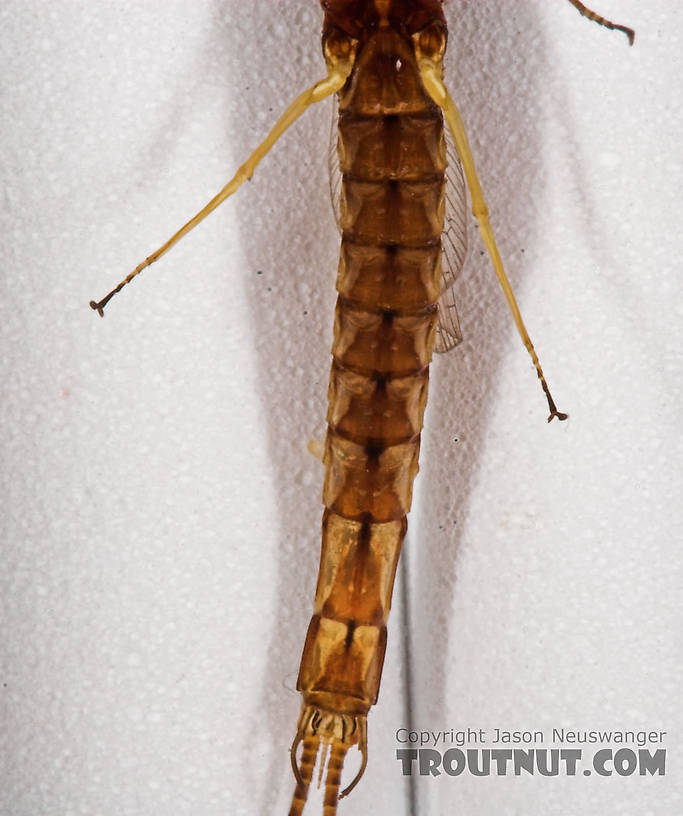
(160,521)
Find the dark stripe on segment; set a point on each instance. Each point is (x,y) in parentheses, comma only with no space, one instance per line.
(365,532)
(376,376)
(387,315)
(426,115)
(372,445)
(373,451)
(429,178)
(351,238)
(350,629)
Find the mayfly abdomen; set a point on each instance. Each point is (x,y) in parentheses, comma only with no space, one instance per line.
(392,157)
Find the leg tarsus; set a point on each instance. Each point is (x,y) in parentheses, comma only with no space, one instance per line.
(553,408)
(551,402)
(555,413)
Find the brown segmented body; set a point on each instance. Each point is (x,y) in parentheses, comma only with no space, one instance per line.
(392,156)
(392,219)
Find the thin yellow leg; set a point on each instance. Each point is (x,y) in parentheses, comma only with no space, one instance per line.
(431,72)
(630,33)
(338,71)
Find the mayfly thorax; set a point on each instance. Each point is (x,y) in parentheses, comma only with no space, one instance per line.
(401,212)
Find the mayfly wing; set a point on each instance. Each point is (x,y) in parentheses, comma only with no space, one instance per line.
(453,240)
(448,333)
(454,246)
(333,165)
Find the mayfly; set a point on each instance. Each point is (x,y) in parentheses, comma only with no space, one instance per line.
(403,243)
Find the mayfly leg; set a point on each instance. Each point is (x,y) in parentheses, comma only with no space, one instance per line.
(339,67)
(431,71)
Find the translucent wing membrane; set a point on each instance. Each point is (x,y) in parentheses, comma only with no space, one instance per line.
(454,243)
(454,238)
(448,333)
(333,165)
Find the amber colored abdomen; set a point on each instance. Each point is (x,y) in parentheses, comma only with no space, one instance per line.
(392,157)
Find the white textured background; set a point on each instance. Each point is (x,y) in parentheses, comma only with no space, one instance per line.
(160,514)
